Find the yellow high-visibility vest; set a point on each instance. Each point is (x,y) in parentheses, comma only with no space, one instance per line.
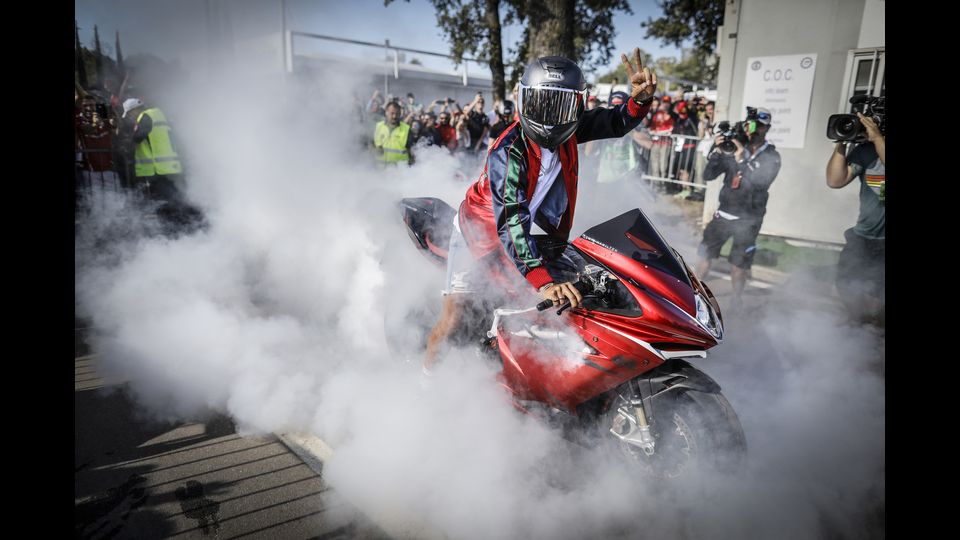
(155,154)
(393,142)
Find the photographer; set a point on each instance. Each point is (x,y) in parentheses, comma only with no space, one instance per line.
(749,165)
(861,268)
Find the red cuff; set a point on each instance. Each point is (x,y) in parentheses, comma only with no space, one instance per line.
(538,277)
(635,109)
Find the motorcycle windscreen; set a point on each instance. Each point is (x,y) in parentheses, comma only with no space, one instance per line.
(631,234)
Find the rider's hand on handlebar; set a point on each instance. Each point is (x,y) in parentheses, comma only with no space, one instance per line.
(561,292)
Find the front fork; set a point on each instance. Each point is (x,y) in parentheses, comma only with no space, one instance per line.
(630,425)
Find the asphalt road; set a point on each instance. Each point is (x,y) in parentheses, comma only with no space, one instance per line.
(136,477)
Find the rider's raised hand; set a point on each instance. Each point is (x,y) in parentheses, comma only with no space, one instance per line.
(560,293)
(644,80)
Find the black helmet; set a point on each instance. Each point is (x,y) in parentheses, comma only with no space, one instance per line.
(506,108)
(551,100)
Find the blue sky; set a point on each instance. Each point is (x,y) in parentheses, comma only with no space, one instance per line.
(406,24)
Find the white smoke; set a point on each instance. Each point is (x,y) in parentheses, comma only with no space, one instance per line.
(276,315)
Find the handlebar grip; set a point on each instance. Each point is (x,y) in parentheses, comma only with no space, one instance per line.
(581,286)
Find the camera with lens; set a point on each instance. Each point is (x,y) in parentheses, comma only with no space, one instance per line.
(848,127)
(738,131)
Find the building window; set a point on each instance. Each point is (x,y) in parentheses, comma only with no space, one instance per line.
(865,76)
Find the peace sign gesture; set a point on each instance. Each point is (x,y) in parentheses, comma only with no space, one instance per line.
(643,80)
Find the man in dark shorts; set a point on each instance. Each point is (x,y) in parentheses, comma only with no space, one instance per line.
(748,172)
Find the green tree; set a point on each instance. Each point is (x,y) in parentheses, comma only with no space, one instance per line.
(696,66)
(472,27)
(98,55)
(693,67)
(121,70)
(582,30)
(693,21)
(587,30)
(491,17)
(80,68)
(550,29)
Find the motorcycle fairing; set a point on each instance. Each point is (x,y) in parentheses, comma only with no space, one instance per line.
(429,223)
(613,347)
(631,246)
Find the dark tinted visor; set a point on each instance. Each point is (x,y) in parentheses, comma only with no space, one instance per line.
(551,106)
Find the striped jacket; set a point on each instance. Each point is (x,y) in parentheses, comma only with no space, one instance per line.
(495,213)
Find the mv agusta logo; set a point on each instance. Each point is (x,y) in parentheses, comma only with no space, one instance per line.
(599,243)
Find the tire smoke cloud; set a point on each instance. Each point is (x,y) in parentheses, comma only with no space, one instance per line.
(275,315)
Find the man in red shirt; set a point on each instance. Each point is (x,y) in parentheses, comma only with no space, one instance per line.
(661,126)
(447,132)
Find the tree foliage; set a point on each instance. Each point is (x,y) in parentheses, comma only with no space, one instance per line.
(98,55)
(120,67)
(595,30)
(472,28)
(694,66)
(80,68)
(580,29)
(592,31)
(686,21)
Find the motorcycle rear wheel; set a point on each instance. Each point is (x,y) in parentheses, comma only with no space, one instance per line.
(692,430)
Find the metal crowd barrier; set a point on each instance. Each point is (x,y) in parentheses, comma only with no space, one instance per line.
(669,163)
(676,159)
(100,174)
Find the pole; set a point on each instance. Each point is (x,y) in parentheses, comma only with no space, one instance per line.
(386,76)
(284,39)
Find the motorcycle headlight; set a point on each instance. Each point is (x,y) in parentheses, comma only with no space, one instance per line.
(707,317)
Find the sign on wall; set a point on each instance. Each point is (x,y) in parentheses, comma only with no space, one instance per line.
(784,85)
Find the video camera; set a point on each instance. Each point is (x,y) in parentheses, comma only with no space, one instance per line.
(738,132)
(848,127)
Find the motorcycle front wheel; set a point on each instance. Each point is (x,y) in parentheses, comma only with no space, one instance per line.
(691,430)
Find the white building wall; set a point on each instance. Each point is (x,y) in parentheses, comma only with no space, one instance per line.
(872,27)
(801,205)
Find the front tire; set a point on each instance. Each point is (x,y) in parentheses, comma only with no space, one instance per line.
(692,430)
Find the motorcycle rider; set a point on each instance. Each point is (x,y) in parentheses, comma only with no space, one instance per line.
(530,176)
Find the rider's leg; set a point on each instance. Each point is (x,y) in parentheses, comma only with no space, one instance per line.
(449,317)
(460,263)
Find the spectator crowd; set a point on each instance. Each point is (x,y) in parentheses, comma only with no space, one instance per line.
(669,148)
(674,149)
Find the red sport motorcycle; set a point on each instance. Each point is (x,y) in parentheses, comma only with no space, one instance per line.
(611,371)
